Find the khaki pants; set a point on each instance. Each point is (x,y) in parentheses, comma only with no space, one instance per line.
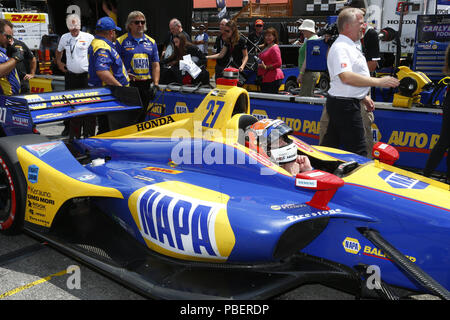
(367,117)
(308,84)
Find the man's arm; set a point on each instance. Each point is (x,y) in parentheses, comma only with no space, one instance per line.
(244,59)
(7,67)
(108,78)
(372,65)
(155,72)
(357,80)
(59,63)
(33,64)
(219,55)
(302,71)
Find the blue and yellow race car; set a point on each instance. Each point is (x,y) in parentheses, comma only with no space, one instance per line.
(180,208)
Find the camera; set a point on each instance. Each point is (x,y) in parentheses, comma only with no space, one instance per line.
(329,33)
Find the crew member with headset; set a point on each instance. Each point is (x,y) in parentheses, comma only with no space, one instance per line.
(139,53)
(9,57)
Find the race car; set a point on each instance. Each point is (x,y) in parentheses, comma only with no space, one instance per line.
(180,207)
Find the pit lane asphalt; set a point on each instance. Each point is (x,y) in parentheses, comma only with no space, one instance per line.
(32,270)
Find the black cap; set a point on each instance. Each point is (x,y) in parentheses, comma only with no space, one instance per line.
(360,4)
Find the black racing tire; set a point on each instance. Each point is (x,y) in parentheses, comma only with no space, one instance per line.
(12,183)
(324,82)
(291,84)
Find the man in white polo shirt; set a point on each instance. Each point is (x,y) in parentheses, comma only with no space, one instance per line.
(350,82)
(75,43)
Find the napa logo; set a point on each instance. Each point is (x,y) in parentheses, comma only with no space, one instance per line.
(139,63)
(181,220)
(260,114)
(351,245)
(376,133)
(181,107)
(400,181)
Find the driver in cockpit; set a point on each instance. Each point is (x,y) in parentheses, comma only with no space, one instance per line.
(270,138)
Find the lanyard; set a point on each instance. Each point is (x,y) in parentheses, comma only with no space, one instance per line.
(72,48)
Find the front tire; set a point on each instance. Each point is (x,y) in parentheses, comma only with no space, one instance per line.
(12,183)
(12,192)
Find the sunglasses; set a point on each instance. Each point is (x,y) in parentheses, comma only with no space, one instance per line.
(227,30)
(259,25)
(137,22)
(8,36)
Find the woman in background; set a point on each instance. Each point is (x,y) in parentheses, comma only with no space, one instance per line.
(269,66)
(235,48)
(184,47)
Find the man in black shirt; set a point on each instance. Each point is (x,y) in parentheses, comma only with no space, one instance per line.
(175,27)
(371,48)
(256,37)
(26,69)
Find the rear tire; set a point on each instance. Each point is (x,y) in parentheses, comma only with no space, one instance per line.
(12,183)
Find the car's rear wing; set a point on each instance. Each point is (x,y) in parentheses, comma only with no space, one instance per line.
(20,114)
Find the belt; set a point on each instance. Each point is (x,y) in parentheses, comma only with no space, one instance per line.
(140,80)
(345,98)
(77,74)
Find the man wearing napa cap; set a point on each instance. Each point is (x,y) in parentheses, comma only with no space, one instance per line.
(306,79)
(105,65)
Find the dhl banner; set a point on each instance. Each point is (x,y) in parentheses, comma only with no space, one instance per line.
(25,17)
(29,27)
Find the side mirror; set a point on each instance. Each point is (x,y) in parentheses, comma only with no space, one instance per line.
(325,184)
(385,153)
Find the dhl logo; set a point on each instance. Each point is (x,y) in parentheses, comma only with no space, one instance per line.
(36,90)
(25,18)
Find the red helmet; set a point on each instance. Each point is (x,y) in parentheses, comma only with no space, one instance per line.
(265,136)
